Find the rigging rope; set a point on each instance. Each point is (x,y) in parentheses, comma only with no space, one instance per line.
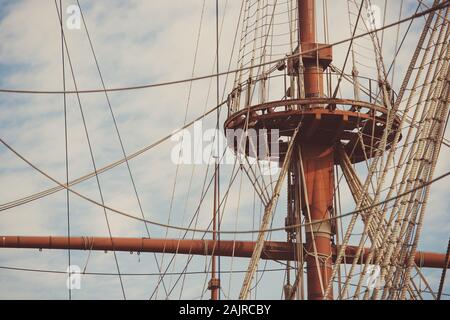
(154,85)
(66,155)
(116,127)
(122,213)
(106,168)
(90,150)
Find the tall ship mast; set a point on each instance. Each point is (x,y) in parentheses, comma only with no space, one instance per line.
(311,125)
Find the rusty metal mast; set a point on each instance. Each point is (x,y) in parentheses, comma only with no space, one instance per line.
(318,161)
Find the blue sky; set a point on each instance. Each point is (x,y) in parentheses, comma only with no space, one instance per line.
(136,42)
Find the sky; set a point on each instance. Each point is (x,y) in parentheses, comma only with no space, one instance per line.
(139,42)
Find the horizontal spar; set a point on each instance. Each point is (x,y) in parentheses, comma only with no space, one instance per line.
(273,250)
